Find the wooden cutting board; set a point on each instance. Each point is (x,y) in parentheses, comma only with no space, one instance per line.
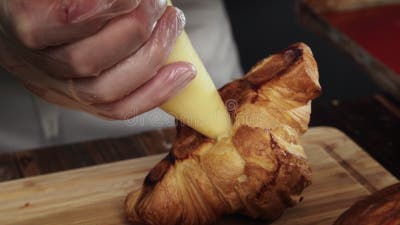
(342,174)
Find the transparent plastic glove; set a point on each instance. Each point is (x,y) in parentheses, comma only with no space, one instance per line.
(104,57)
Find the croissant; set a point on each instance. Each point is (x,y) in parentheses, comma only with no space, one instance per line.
(258,170)
(380,208)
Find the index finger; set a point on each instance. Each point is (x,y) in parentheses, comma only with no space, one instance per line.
(42,23)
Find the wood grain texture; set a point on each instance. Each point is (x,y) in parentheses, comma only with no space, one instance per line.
(380,208)
(358,163)
(374,127)
(343,173)
(66,157)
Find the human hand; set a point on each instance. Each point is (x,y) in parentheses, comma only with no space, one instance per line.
(104,57)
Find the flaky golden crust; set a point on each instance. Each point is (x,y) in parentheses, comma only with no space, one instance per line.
(381,208)
(258,170)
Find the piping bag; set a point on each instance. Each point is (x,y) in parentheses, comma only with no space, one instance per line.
(199,105)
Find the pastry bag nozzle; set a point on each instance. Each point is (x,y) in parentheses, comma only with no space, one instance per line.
(199,105)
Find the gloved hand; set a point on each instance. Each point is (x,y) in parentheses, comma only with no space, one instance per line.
(104,57)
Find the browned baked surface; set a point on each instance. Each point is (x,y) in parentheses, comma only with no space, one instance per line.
(258,170)
(381,208)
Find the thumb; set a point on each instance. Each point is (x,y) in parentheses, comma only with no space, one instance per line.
(42,23)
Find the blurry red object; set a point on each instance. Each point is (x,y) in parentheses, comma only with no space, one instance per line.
(376,29)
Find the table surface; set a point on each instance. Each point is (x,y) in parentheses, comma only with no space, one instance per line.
(342,174)
(373,122)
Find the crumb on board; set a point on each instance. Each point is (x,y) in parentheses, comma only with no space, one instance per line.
(26,205)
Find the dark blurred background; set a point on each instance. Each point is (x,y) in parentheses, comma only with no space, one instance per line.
(263,27)
(349,101)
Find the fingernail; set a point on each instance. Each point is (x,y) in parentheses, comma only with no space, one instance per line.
(185,77)
(181,19)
